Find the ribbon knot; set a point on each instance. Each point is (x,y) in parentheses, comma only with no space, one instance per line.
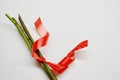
(63,64)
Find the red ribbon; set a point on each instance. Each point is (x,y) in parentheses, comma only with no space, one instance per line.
(63,64)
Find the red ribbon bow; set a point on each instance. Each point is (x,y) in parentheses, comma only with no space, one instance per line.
(63,64)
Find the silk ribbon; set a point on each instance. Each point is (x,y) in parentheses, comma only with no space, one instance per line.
(63,64)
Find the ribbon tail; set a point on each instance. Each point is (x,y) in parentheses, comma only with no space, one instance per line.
(70,57)
(44,36)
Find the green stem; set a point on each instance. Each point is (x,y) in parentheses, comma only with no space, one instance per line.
(25,29)
(29,40)
(20,30)
(47,69)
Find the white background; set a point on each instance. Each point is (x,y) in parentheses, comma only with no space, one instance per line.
(69,22)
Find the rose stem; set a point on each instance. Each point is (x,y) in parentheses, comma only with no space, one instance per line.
(48,70)
(21,31)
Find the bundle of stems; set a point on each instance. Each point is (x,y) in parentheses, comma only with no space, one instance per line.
(29,41)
